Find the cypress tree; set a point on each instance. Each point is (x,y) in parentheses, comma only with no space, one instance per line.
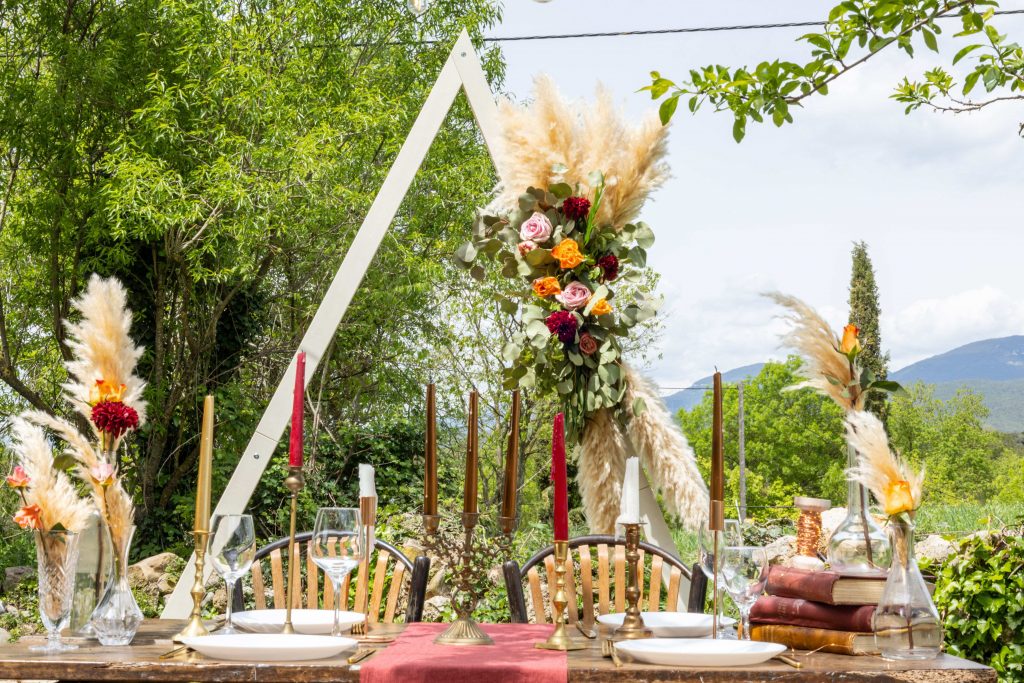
(864,313)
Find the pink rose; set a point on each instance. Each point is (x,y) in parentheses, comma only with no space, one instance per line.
(526,247)
(537,228)
(575,295)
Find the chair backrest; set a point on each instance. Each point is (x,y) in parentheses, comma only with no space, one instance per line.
(380,584)
(596,575)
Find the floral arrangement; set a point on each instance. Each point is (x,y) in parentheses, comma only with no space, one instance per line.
(898,489)
(104,389)
(831,361)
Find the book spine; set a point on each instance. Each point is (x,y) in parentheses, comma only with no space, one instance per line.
(794,583)
(795,612)
(814,639)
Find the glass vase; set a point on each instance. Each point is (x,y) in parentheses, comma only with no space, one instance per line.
(906,623)
(859,546)
(56,557)
(95,566)
(117,617)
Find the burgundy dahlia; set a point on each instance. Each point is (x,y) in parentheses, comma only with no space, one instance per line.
(576,208)
(610,265)
(562,324)
(114,417)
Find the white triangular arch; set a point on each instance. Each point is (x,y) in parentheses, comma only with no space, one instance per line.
(463,71)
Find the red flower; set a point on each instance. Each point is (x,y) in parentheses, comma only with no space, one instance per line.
(588,345)
(563,324)
(610,265)
(114,418)
(576,208)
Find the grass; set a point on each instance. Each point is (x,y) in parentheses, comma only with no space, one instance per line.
(962,519)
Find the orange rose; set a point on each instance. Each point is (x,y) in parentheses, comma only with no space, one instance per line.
(601,307)
(29,517)
(898,498)
(850,341)
(104,392)
(546,286)
(17,479)
(567,253)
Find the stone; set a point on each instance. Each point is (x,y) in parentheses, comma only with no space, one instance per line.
(934,547)
(152,568)
(781,549)
(5,636)
(15,575)
(435,607)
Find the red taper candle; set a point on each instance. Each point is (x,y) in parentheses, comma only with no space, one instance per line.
(298,410)
(559,479)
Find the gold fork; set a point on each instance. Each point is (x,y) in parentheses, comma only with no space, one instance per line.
(608,650)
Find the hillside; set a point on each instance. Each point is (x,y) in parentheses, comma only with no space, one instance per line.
(691,396)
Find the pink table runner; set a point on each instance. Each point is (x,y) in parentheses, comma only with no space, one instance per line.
(414,657)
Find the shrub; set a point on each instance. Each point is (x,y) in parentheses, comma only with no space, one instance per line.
(980,595)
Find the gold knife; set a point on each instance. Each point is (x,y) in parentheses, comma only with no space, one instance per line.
(361,656)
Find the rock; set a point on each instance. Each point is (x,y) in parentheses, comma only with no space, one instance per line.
(220,599)
(5,636)
(437,586)
(434,608)
(781,549)
(830,521)
(166,585)
(15,575)
(152,568)
(934,547)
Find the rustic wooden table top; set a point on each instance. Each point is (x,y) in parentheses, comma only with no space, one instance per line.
(141,661)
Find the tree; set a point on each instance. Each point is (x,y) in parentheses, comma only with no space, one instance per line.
(864,313)
(854,32)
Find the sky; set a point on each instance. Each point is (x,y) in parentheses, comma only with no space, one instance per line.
(936,197)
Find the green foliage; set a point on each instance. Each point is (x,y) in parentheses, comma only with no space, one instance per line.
(978,592)
(22,615)
(855,31)
(864,313)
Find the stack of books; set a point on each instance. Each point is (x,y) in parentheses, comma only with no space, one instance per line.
(822,611)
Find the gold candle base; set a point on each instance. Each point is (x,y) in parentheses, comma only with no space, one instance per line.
(294,482)
(464,631)
(559,638)
(431,523)
(195,625)
(633,627)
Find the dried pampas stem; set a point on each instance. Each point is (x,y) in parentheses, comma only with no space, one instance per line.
(816,342)
(878,468)
(602,461)
(550,132)
(49,488)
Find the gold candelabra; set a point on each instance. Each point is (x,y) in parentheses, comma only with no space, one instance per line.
(294,482)
(559,638)
(195,625)
(633,626)
(464,630)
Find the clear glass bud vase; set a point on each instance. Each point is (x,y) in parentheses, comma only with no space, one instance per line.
(117,617)
(906,623)
(859,545)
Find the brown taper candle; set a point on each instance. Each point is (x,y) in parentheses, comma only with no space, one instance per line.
(430,454)
(508,498)
(472,455)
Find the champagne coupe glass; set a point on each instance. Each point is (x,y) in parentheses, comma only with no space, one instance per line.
(337,548)
(232,549)
(745,570)
(732,536)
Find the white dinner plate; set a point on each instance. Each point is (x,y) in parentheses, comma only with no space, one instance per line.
(314,622)
(269,647)
(671,624)
(699,652)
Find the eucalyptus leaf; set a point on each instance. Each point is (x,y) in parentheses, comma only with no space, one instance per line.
(644,235)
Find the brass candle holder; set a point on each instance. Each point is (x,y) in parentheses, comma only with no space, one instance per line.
(717,526)
(195,625)
(368,518)
(294,482)
(633,626)
(559,638)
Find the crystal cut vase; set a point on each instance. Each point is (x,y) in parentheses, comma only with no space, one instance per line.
(117,617)
(859,546)
(56,557)
(906,623)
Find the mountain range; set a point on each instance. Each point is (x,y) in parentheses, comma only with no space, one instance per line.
(993,368)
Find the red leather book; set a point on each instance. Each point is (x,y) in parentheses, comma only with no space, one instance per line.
(827,587)
(772,609)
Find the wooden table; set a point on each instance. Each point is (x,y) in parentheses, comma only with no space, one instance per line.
(140,661)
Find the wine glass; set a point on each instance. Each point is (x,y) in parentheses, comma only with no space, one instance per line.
(337,548)
(232,549)
(731,536)
(745,570)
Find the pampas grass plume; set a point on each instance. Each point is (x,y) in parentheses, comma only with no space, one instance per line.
(49,488)
(878,468)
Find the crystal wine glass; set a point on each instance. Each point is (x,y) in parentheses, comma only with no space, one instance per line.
(232,549)
(337,548)
(57,555)
(745,570)
(732,536)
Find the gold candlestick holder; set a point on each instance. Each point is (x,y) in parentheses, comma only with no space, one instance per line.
(195,625)
(633,626)
(368,517)
(294,482)
(717,526)
(559,638)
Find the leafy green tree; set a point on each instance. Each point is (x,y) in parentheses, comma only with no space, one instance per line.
(864,313)
(854,32)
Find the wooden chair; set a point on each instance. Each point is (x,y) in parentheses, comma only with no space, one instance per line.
(379,583)
(601,560)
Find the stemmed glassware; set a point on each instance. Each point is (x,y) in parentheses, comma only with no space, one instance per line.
(337,548)
(732,536)
(232,549)
(745,570)
(57,555)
